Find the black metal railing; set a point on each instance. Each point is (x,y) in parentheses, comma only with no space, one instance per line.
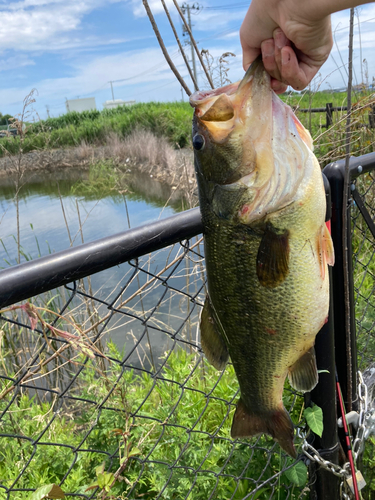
(108,368)
(330,109)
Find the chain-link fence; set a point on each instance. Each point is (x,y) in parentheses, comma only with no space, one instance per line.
(363,238)
(104,389)
(363,244)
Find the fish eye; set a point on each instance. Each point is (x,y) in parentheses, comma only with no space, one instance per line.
(198,142)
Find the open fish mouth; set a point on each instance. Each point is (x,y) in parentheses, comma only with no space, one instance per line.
(247,121)
(200,97)
(225,103)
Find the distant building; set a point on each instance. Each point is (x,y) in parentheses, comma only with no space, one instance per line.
(79,105)
(117,102)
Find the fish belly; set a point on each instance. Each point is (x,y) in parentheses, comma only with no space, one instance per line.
(266,330)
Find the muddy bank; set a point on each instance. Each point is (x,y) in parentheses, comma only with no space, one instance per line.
(173,168)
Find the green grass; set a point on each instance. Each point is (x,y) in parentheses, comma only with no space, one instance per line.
(171,427)
(329,145)
(318,99)
(162,413)
(105,179)
(173,121)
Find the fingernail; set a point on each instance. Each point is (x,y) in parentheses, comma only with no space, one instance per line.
(268,48)
(285,57)
(280,39)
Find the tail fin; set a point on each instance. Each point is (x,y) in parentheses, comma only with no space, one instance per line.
(276,423)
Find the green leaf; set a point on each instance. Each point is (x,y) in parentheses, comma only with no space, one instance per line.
(105,479)
(297,474)
(314,419)
(47,491)
(134,451)
(99,469)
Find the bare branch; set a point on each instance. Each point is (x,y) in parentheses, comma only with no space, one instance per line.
(345,221)
(194,44)
(180,46)
(163,48)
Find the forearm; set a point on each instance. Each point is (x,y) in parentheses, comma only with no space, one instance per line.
(316,9)
(293,36)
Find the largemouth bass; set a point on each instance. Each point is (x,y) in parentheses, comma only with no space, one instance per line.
(267,247)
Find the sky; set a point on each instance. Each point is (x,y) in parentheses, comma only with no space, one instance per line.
(68,49)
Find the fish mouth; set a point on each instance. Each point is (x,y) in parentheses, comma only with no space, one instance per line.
(202,100)
(239,117)
(253,141)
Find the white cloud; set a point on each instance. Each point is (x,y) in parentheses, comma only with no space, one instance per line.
(155,6)
(59,25)
(334,71)
(41,24)
(14,62)
(145,66)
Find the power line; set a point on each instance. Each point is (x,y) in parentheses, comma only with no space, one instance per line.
(149,70)
(227,7)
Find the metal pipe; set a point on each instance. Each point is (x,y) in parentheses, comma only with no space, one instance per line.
(323,484)
(46,273)
(335,172)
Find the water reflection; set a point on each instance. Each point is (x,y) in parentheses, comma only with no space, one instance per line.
(143,306)
(50,213)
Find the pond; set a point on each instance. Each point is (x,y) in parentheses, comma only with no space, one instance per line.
(53,218)
(50,212)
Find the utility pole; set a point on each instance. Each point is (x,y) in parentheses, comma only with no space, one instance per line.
(47,111)
(187,8)
(113,95)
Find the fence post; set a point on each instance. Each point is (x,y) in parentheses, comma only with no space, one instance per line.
(329,109)
(335,173)
(371,116)
(323,484)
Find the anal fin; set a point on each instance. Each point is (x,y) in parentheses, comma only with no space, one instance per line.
(303,375)
(276,423)
(212,342)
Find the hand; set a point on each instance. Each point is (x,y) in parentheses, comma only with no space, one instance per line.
(294,40)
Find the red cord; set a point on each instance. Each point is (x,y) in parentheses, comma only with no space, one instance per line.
(348,444)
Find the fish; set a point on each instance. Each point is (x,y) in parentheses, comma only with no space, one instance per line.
(267,248)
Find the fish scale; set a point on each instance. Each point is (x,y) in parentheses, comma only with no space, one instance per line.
(266,251)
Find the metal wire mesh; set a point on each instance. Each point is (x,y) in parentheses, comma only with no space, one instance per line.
(105,391)
(363,243)
(363,246)
(109,371)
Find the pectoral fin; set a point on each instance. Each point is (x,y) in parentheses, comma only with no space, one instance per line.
(212,342)
(273,258)
(303,375)
(325,250)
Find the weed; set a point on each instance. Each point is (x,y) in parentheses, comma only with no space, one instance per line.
(173,437)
